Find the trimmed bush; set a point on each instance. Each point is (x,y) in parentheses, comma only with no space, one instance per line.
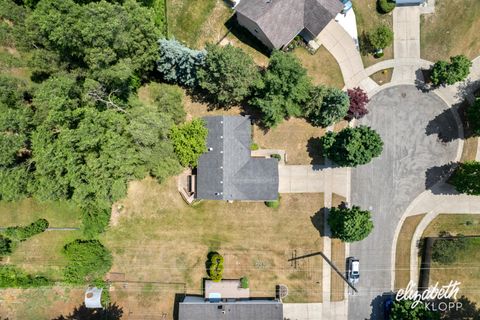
(386,6)
(88,261)
(273,204)
(254,147)
(21,233)
(244,282)
(445,251)
(276,156)
(5,246)
(12,277)
(215,267)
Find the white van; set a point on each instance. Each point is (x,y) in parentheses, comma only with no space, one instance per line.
(353,270)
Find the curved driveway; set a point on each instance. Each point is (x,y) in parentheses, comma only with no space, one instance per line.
(420,135)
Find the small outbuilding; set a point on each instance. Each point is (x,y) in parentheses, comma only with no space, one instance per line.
(93,298)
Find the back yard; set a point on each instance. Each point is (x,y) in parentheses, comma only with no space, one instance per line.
(160,245)
(451,30)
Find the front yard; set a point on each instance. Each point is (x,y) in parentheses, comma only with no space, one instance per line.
(161,240)
(451,30)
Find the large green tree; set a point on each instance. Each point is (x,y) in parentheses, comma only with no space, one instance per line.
(473,117)
(284,89)
(466,178)
(189,141)
(352,146)
(228,74)
(380,38)
(326,106)
(445,73)
(402,310)
(350,224)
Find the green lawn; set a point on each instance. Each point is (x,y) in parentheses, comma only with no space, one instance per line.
(466,224)
(451,30)
(368,19)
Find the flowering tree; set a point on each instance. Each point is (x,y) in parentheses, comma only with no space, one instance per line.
(358,103)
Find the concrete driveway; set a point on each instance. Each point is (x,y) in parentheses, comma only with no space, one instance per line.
(420,135)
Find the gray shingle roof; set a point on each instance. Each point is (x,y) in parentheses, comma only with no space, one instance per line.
(240,310)
(282,20)
(227,171)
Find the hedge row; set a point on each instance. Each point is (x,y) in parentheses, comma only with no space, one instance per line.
(12,277)
(215,267)
(24,232)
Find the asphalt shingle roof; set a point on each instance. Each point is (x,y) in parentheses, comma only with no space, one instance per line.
(282,20)
(241,310)
(227,171)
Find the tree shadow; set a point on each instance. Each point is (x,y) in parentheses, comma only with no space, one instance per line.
(111,312)
(318,221)
(314,150)
(467,90)
(444,126)
(468,310)
(422,80)
(377,307)
(437,174)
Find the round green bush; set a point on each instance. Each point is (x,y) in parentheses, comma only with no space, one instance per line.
(244,282)
(386,6)
(276,156)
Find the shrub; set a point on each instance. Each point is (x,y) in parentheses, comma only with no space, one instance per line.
(403,310)
(276,156)
(88,260)
(12,277)
(380,38)
(244,282)
(5,246)
(445,251)
(444,73)
(178,63)
(466,178)
(189,141)
(350,224)
(386,6)
(21,233)
(352,146)
(228,74)
(254,146)
(358,102)
(473,116)
(274,204)
(215,266)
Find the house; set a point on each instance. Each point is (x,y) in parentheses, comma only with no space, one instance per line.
(277,22)
(226,300)
(227,171)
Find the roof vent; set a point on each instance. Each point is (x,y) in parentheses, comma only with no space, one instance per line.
(221,137)
(210,149)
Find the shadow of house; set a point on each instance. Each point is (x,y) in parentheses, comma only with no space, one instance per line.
(244,36)
(444,126)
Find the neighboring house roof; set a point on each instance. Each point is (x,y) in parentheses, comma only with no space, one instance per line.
(282,20)
(239,310)
(227,171)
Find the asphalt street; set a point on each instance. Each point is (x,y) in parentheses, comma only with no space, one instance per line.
(420,137)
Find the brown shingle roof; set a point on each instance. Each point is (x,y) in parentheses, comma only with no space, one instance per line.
(282,20)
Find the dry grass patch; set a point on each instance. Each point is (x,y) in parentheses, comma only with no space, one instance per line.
(402,254)
(161,239)
(337,284)
(383,76)
(451,30)
(368,19)
(297,137)
(469,151)
(321,67)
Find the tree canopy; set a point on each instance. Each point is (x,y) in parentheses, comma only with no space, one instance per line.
(445,73)
(189,141)
(402,310)
(473,117)
(466,178)
(358,102)
(380,38)
(350,224)
(326,106)
(352,146)
(228,74)
(284,89)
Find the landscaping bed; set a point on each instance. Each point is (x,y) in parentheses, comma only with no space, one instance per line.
(383,76)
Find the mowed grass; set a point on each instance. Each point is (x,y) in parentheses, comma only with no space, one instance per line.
(451,30)
(368,19)
(402,254)
(466,270)
(466,224)
(321,67)
(162,240)
(337,284)
(186,19)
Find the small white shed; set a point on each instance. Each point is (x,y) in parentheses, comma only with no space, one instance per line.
(93,298)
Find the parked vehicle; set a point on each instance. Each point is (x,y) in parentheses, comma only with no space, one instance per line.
(353,270)
(347,5)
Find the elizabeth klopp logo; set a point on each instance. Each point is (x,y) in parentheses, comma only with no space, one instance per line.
(432,296)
